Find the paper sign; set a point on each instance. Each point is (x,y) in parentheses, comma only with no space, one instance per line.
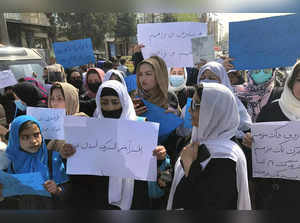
(131,82)
(113,147)
(170,41)
(203,48)
(7,78)
(74,53)
(188,117)
(51,121)
(168,121)
(23,184)
(264,43)
(276,150)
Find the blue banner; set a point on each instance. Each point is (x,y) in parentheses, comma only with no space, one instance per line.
(188,117)
(23,184)
(168,121)
(264,43)
(131,82)
(74,53)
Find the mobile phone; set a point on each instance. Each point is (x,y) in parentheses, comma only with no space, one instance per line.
(139,102)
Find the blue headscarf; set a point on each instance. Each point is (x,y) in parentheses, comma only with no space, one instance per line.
(23,162)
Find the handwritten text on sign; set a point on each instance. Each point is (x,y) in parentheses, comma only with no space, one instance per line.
(171,41)
(7,78)
(111,147)
(74,53)
(51,121)
(276,150)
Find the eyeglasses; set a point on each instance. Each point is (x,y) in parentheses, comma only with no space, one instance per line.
(194,105)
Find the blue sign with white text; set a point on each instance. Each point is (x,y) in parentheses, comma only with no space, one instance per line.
(74,53)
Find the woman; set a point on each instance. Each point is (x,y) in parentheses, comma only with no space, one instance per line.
(259,91)
(113,101)
(94,78)
(19,97)
(114,75)
(279,193)
(74,77)
(235,77)
(63,95)
(215,72)
(177,84)
(211,172)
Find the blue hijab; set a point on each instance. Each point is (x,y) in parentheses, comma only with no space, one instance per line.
(23,162)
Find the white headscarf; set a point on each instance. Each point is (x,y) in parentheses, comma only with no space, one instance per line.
(120,190)
(116,72)
(179,88)
(289,104)
(219,70)
(218,122)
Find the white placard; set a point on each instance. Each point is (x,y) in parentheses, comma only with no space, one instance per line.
(203,48)
(51,121)
(7,78)
(171,41)
(276,150)
(112,147)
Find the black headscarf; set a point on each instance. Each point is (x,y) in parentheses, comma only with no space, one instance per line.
(29,94)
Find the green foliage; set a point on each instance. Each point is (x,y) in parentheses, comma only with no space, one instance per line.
(125,25)
(84,25)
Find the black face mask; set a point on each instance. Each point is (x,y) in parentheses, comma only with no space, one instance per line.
(76,83)
(112,114)
(94,87)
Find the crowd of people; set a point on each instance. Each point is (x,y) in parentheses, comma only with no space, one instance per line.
(207,166)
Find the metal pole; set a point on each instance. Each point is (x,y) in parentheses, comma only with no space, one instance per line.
(3,30)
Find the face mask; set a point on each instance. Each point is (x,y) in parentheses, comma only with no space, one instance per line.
(76,83)
(210,81)
(94,87)
(261,77)
(20,105)
(176,80)
(112,114)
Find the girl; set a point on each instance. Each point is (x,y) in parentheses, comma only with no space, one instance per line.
(113,101)
(28,153)
(177,84)
(211,171)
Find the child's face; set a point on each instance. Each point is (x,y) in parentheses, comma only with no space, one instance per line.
(31,139)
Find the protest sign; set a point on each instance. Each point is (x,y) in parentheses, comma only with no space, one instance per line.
(51,121)
(112,147)
(264,43)
(203,48)
(74,53)
(7,78)
(276,150)
(170,41)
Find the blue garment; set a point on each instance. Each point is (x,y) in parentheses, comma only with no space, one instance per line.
(24,162)
(154,191)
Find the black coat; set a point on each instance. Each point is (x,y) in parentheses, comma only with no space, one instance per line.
(275,193)
(212,188)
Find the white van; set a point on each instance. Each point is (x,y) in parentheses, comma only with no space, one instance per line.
(22,61)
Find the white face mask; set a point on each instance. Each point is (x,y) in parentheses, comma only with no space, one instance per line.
(176,80)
